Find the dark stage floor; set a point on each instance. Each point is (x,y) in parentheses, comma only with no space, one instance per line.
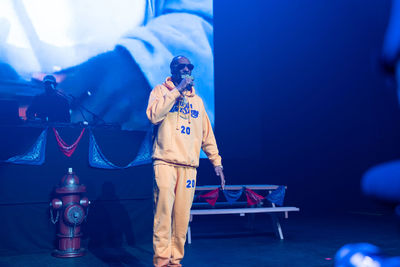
(228,241)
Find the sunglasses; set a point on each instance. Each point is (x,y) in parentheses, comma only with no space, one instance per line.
(182,66)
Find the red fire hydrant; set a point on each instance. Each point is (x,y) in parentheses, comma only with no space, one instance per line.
(71,210)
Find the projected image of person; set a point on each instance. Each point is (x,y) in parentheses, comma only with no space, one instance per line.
(183,127)
(123,55)
(49,106)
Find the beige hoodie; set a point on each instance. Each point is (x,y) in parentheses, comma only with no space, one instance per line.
(181,131)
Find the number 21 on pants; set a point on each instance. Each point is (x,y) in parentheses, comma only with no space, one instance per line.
(190,183)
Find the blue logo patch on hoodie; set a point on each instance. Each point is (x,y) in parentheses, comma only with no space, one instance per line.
(184,109)
(194,113)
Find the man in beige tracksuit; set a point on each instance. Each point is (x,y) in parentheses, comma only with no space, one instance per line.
(183,128)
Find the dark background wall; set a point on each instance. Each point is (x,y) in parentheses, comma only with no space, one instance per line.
(301,99)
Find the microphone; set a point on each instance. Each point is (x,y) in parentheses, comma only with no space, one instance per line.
(189,86)
(62,94)
(84,94)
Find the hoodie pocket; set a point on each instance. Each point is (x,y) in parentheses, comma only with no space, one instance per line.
(164,136)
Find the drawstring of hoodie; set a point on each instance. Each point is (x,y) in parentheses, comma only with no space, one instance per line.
(177,114)
(190,111)
(180,100)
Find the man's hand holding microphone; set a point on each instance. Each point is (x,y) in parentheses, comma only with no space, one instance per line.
(186,83)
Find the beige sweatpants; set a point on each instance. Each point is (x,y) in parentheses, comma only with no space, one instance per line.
(174,188)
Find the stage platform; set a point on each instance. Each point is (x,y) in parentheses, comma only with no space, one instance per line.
(230,241)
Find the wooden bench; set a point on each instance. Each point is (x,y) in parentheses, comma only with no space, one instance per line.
(239,207)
